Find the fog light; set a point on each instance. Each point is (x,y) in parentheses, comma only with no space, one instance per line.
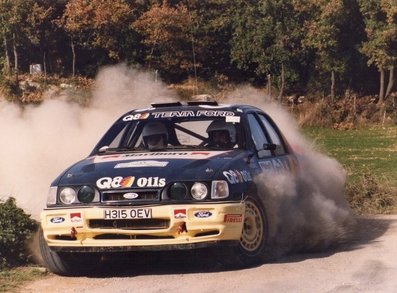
(67,195)
(199,191)
(178,191)
(86,194)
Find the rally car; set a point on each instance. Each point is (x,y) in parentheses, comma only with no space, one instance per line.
(169,177)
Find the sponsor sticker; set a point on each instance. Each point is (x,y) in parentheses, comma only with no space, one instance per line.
(140,164)
(232,119)
(237,176)
(203,214)
(139,116)
(199,113)
(180,213)
(57,220)
(126,182)
(76,217)
(233,218)
(266,165)
(156,155)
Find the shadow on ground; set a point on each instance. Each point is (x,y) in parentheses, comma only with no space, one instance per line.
(367,230)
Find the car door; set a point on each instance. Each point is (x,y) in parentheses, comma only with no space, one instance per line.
(271,150)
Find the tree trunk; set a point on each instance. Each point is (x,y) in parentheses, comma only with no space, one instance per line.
(381,85)
(74,57)
(390,83)
(45,67)
(16,62)
(7,68)
(282,83)
(269,86)
(332,86)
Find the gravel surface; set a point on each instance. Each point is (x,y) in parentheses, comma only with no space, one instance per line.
(366,264)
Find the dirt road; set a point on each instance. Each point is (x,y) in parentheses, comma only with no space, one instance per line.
(366,264)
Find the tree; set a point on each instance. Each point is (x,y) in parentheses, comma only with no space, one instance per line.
(166,32)
(322,35)
(5,30)
(211,33)
(266,39)
(13,15)
(380,47)
(39,27)
(98,24)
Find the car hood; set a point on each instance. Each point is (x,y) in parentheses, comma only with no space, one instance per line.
(152,169)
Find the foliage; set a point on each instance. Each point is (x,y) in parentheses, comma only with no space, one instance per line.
(267,38)
(368,154)
(371,195)
(10,279)
(98,23)
(15,228)
(299,46)
(167,35)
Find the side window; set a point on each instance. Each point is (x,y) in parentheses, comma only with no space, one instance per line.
(274,136)
(258,136)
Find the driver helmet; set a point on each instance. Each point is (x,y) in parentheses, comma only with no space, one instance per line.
(221,126)
(155,135)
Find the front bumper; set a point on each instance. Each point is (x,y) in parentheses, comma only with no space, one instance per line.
(167,227)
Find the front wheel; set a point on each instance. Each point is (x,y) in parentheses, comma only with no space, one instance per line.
(252,248)
(67,264)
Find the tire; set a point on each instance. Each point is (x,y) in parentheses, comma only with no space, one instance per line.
(68,264)
(252,248)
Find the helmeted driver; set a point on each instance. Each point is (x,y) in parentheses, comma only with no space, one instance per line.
(221,134)
(155,136)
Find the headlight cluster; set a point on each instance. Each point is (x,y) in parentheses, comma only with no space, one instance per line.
(198,190)
(73,195)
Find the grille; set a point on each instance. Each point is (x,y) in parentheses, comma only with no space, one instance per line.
(141,195)
(133,224)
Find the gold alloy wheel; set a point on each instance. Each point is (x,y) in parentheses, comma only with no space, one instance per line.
(252,235)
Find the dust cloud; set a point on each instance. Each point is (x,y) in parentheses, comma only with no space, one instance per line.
(39,142)
(309,212)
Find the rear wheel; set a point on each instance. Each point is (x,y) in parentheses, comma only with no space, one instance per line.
(252,248)
(68,264)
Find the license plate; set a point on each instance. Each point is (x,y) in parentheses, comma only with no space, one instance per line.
(117,214)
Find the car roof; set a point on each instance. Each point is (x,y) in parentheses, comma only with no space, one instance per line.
(196,105)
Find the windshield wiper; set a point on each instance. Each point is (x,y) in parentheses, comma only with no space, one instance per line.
(106,149)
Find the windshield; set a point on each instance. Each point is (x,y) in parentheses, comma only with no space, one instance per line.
(171,134)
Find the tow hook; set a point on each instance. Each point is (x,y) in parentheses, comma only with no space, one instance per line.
(182,228)
(73,233)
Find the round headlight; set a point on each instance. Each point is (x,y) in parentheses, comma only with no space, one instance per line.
(67,195)
(199,191)
(86,194)
(178,191)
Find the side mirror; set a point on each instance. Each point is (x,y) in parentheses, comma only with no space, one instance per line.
(269,146)
(103,149)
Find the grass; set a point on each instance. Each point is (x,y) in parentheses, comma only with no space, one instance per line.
(369,155)
(361,150)
(12,279)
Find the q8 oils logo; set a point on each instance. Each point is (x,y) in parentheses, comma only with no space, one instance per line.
(126,182)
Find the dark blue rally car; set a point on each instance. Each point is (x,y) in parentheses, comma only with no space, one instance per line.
(172,176)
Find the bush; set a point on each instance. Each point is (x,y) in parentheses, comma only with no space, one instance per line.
(370,195)
(15,228)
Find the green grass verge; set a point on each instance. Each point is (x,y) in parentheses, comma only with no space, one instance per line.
(369,155)
(12,279)
(361,150)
